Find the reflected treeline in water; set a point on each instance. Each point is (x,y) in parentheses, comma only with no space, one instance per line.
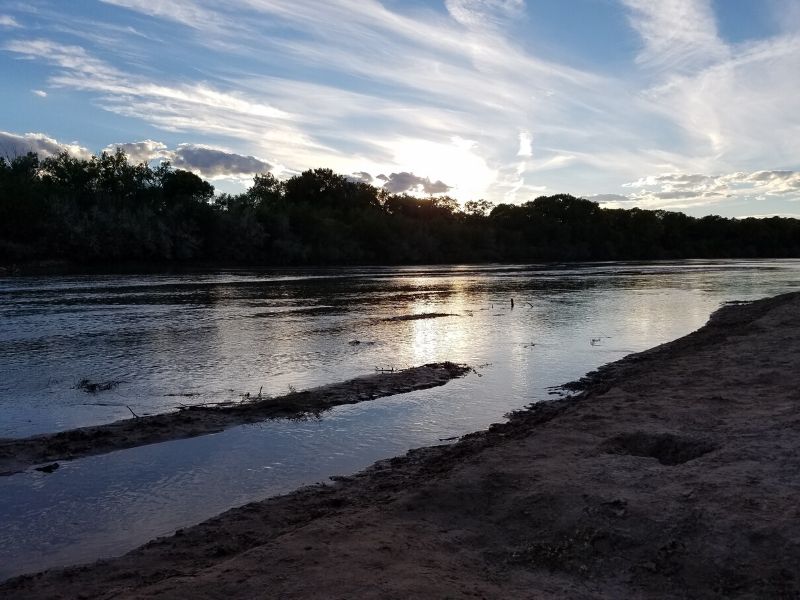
(106,210)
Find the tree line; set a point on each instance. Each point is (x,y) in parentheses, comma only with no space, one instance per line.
(107,209)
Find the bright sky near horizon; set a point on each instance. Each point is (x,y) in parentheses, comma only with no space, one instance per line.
(690,105)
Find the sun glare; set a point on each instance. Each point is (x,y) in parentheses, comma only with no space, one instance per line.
(456,163)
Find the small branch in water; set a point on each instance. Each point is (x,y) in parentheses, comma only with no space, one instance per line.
(379,370)
(135,416)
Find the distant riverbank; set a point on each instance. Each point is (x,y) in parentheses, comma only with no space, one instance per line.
(110,210)
(671,472)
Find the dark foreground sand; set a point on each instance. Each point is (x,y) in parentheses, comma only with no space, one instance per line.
(674,473)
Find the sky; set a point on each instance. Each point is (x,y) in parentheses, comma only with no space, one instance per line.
(689,105)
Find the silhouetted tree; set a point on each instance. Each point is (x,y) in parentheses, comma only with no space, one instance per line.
(108,209)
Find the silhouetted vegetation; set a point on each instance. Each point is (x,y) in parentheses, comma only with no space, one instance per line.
(107,209)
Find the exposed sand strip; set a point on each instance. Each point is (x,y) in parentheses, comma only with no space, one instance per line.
(417,317)
(18,454)
(674,473)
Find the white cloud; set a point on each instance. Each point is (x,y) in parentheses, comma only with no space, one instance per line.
(138,152)
(732,107)
(431,60)
(676,179)
(215,163)
(525,144)
(737,110)
(185,12)
(692,103)
(194,107)
(610,200)
(40,93)
(556,161)
(785,215)
(13,145)
(677,34)
(207,161)
(73,59)
(684,190)
(484,13)
(9,21)
(82,71)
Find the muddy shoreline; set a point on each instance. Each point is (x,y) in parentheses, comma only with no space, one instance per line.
(19,454)
(670,473)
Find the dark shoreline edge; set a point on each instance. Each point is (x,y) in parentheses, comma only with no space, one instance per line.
(277,515)
(21,453)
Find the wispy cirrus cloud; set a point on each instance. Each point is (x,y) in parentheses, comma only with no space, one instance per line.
(184,12)
(422,59)
(677,35)
(7,21)
(728,105)
(188,107)
(377,87)
(484,13)
(80,70)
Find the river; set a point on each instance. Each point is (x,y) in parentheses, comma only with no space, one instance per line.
(167,339)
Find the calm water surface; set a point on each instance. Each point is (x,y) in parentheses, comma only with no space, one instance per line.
(171,339)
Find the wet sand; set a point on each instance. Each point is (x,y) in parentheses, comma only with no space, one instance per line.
(671,473)
(22,453)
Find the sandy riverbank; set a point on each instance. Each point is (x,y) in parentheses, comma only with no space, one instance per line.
(22,453)
(673,473)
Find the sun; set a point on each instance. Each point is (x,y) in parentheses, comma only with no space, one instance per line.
(456,163)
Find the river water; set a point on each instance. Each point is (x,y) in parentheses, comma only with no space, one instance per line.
(169,339)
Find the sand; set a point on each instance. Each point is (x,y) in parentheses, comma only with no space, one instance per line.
(21,453)
(672,473)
